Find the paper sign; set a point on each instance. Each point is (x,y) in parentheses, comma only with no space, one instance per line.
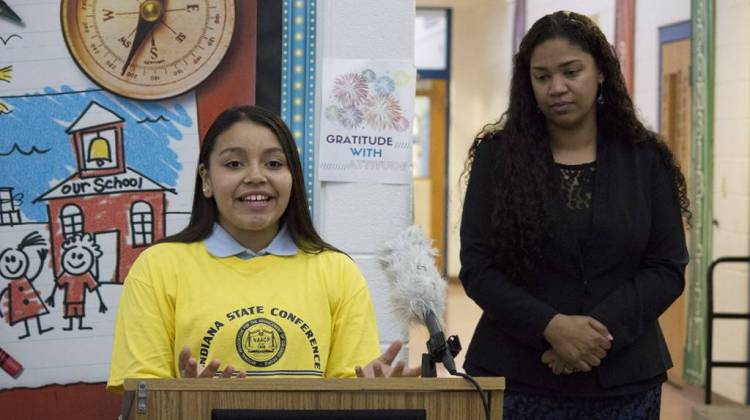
(366,126)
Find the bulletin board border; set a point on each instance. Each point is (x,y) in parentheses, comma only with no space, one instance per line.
(298,80)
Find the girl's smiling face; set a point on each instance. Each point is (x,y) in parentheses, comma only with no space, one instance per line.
(249,179)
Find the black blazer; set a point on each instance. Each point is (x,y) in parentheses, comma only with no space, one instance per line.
(629,272)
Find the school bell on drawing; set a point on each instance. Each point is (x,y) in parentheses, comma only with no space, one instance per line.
(99,151)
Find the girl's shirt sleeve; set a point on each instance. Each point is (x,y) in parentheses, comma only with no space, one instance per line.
(354,336)
(143,344)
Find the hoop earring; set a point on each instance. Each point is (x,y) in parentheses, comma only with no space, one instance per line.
(600,97)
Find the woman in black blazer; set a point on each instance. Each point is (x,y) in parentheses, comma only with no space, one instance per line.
(572,238)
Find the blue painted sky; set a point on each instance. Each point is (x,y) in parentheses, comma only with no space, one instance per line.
(40,122)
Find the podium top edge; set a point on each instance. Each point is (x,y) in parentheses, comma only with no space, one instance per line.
(315,384)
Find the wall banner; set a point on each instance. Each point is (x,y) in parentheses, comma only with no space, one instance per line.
(366,124)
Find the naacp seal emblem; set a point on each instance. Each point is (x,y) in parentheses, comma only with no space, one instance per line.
(260,342)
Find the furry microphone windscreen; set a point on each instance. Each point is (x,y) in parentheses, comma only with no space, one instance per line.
(416,286)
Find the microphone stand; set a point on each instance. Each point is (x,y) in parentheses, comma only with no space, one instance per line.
(439,350)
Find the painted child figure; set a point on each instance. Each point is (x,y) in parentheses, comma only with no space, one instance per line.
(24,302)
(79,256)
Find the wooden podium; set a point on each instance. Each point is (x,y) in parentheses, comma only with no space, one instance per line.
(441,398)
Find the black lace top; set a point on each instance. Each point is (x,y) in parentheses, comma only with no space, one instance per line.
(577,182)
(577,185)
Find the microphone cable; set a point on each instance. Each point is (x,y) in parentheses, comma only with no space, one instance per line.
(485,402)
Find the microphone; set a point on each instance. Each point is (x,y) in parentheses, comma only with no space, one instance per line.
(417,289)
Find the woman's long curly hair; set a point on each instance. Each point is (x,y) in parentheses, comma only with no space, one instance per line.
(522,156)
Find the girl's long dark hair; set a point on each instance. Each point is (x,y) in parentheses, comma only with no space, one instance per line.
(522,156)
(296,217)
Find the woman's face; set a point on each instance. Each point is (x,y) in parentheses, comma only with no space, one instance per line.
(565,81)
(249,178)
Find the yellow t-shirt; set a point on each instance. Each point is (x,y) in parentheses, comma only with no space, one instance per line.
(307,315)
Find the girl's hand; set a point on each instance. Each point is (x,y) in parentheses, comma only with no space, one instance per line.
(381,367)
(189,367)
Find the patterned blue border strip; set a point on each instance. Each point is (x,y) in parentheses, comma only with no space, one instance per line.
(298,82)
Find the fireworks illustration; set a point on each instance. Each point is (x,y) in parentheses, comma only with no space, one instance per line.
(384,85)
(401,78)
(350,89)
(350,117)
(365,99)
(368,75)
(382,111)
(401,124)
(333,113)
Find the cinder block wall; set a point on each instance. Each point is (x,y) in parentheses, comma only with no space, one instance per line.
(731,190)
(357,217)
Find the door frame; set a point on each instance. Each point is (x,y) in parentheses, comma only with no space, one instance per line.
(701,184)
(672,34)
(444,75)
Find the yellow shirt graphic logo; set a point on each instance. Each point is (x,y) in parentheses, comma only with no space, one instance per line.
(260,342)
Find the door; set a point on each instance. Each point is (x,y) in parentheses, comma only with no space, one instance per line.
(675,129)
(430,164)
(106,265)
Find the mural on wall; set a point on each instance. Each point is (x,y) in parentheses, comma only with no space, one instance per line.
(88,180)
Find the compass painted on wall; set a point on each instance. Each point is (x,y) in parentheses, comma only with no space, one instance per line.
(149,49)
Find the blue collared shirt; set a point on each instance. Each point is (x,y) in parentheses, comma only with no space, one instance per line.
(221,244)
